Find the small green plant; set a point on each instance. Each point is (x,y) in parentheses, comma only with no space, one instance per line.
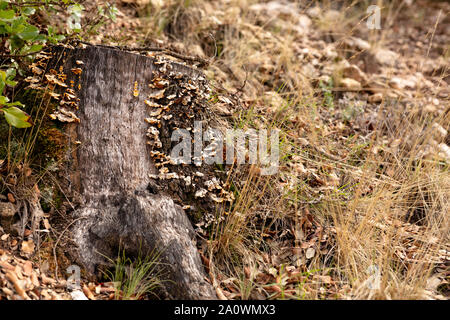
(13,115)
(20,41)
(352,110)
(22,38)
(327,93)
(134,279)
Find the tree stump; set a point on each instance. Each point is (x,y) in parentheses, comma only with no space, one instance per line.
(113,167)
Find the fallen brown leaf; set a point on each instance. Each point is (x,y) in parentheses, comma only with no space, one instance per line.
(13,278)
(11,198)
(27,247)
(88,293)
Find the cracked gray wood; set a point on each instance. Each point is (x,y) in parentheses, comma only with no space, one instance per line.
(113,167)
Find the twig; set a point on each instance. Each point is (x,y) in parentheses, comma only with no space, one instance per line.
(156,49)
(37,3)
(241,89)
(19,55)
(215,49)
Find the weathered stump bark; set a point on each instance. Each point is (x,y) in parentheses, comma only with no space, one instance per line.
(113,166)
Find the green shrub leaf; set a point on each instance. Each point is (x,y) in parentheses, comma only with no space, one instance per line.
(29,33)
(6,15)
(17,117)
(2,80)
(3,100)
(28,11)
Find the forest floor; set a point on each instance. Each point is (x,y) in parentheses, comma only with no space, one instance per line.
(359,206)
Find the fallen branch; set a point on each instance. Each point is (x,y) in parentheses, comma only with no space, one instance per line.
(165,51)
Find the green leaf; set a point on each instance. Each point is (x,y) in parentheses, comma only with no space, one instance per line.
(31,49)
(28,11)
(11,83)
(17,118)
(18,25)
(8,29)
(36,47)
(41,38)
(113,11)
(16,103)
(10,74)
(2,81)
(29,33)
(7,15)
(55,39)
(15,43)
(76,9)
(3,100)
